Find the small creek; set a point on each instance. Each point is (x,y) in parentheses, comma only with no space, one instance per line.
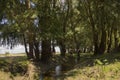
(57,74)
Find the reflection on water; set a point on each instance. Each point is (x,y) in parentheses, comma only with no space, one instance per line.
(58,70)
(57,75)
(43,77)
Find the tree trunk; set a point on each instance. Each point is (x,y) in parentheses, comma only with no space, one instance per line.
(96,43)
(36,50)
(25,45)
(116,40)
(53,47)
(46,50)
(62,48)
(103,44)
(31,50)
(27,2)
(110,40)
(30,38)
(94,33)
(78,52)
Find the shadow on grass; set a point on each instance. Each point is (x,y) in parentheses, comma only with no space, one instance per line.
(14,64)
(68,63)
(91,61)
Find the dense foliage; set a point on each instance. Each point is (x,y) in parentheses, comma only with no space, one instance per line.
(73,25)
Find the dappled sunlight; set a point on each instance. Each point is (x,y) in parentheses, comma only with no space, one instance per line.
(99,67)
(59,40)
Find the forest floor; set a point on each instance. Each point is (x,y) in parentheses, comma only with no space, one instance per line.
(104,67)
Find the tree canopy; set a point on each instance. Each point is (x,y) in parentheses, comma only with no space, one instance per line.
(73,25)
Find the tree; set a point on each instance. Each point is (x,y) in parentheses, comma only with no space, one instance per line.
(99,16)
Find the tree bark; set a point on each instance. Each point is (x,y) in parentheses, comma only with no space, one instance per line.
(36,50)
(110,40)
(62,48)
(27,2)
(46,50)
(31,50)
(103,44)
(116,40)
(25,45)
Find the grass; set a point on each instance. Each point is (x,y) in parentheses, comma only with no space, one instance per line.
(105,67)
(12,66)
(108,72)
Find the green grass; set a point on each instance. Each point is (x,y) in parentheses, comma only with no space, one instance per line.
(13,64)
(111,71)
(105,67)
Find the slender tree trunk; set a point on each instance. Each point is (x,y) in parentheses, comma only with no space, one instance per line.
(110,40)
(53,47)
(30,37)
(78,52)
(31,50)
(95,40)
(27,2)
(62,40)
(116,40)
(62,48)
(94,33)
(103,44)
(76,45)
(36,50)
(25,45)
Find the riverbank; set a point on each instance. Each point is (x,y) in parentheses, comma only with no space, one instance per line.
(90,67)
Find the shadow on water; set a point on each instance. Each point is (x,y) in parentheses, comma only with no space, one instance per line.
(58,74)
(57,69)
